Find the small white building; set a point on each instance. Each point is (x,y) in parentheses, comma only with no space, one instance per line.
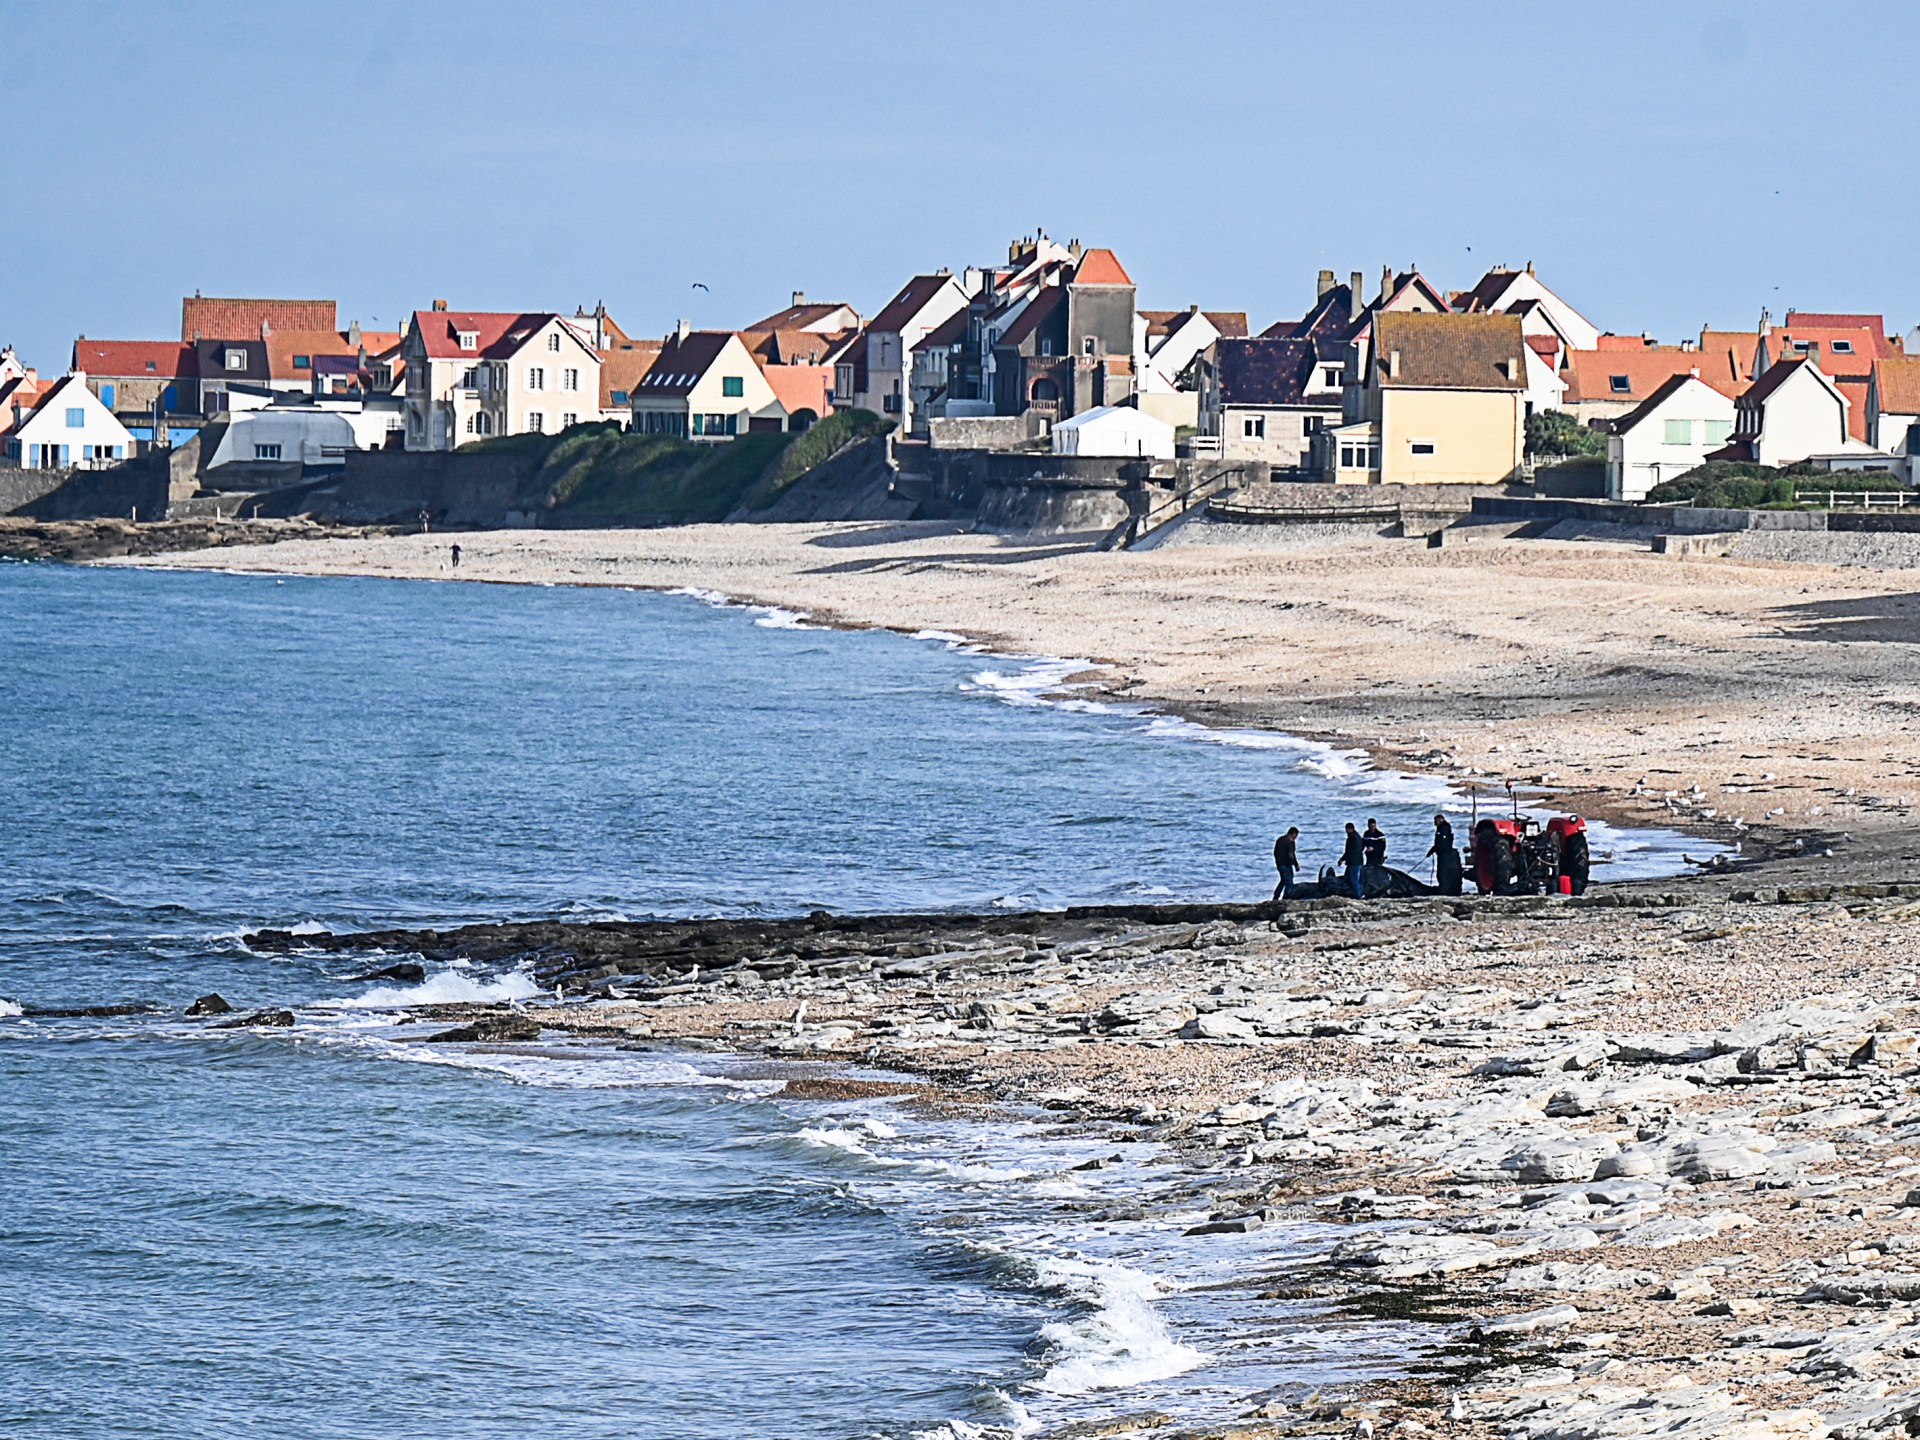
(1114,430)
(1893,405)
(315,431)
(1666,435)
(1791,412)
(68,426)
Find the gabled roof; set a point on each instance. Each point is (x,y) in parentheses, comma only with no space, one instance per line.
(1487,291)
(498,334)
(1450,352)
(680,364)
(899,312)
(1101,267)
(1667,388)
(790,347)
(801,387)
(949,331)
(1898,381)
(1263,372)
(134,359)
(283,346)
(622,368)
(1331,318)
(1050,299)
(208,317)
(1874,325)
(1763,389)
(800,317)
(1591,374)
(58,387)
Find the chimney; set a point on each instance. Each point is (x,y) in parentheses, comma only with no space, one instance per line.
(1356,301)
(439,305)
(353,335)
(1324,284)
(799,298)
(1386,282)
(1393,364)
(682,329)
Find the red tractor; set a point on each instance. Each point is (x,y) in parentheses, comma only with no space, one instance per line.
(1519,857)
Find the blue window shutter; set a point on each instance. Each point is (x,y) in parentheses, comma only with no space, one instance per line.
(106,396)
(169,400)
(77,417)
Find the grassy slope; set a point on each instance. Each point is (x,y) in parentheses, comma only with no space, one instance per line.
(600,473)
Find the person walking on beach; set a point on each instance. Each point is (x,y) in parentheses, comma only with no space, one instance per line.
(1447,874)
(456,557)
(1354,858)
(1286,859)
(1374,845)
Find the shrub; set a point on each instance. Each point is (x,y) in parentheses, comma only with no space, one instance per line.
(1743,485)
(1554,432)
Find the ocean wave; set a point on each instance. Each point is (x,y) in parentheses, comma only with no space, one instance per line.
(1120,1341)
(1018,1423)
(853,1142)
(9,1008)
(448,987)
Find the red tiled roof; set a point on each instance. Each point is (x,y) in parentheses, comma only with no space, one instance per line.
(1843,351)
(1899,382)
(1875,325)
(133,359)
(1101,267)
(213,318)
(1590,373)
(1625,342)
(802,387)
(1737,348)
(623,367)
(284,345)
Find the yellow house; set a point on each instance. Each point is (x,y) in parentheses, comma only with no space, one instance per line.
(1440,400)
(705,385)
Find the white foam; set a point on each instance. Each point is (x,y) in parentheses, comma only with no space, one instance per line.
(852,1142)
(308,927)
(1121,1341)
(11,1007)
(772,617)
(444,988)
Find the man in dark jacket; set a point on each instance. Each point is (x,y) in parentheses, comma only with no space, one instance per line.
(1446,858)
(1374,844)
(1286,859)
(1354,859)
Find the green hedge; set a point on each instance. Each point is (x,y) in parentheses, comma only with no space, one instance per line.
(1743,485)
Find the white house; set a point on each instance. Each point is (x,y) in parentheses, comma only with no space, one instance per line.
(1666,435)
(1790,413)
(1893,406)
(1113,430)
(705,385)
(471,374)
(310,430)
(877,372)
(68,426)
(1505,292)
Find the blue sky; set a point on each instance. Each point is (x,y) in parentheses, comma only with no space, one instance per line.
(1663,164)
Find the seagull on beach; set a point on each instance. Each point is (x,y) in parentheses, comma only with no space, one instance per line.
(1457,1411)
(1363,1429)
(800,1017)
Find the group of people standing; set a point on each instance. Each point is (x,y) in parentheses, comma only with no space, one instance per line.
(1366,850)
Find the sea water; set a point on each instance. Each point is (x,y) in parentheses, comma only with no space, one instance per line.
(331,1231)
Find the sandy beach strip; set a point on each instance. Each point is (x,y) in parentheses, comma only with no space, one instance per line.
(1748,700)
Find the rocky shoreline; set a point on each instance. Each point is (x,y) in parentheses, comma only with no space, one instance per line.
(1643,1159)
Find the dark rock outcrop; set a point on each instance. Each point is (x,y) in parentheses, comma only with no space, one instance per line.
(507,1026)
(277,1019)
(409,972)
(210,1005)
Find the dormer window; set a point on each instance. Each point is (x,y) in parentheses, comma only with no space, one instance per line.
(236,359)
(1620,384)
(1841,347)
(150,367)
(1801,347)
(303,362)
(469,339)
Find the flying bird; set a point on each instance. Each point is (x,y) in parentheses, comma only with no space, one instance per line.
(698,286)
